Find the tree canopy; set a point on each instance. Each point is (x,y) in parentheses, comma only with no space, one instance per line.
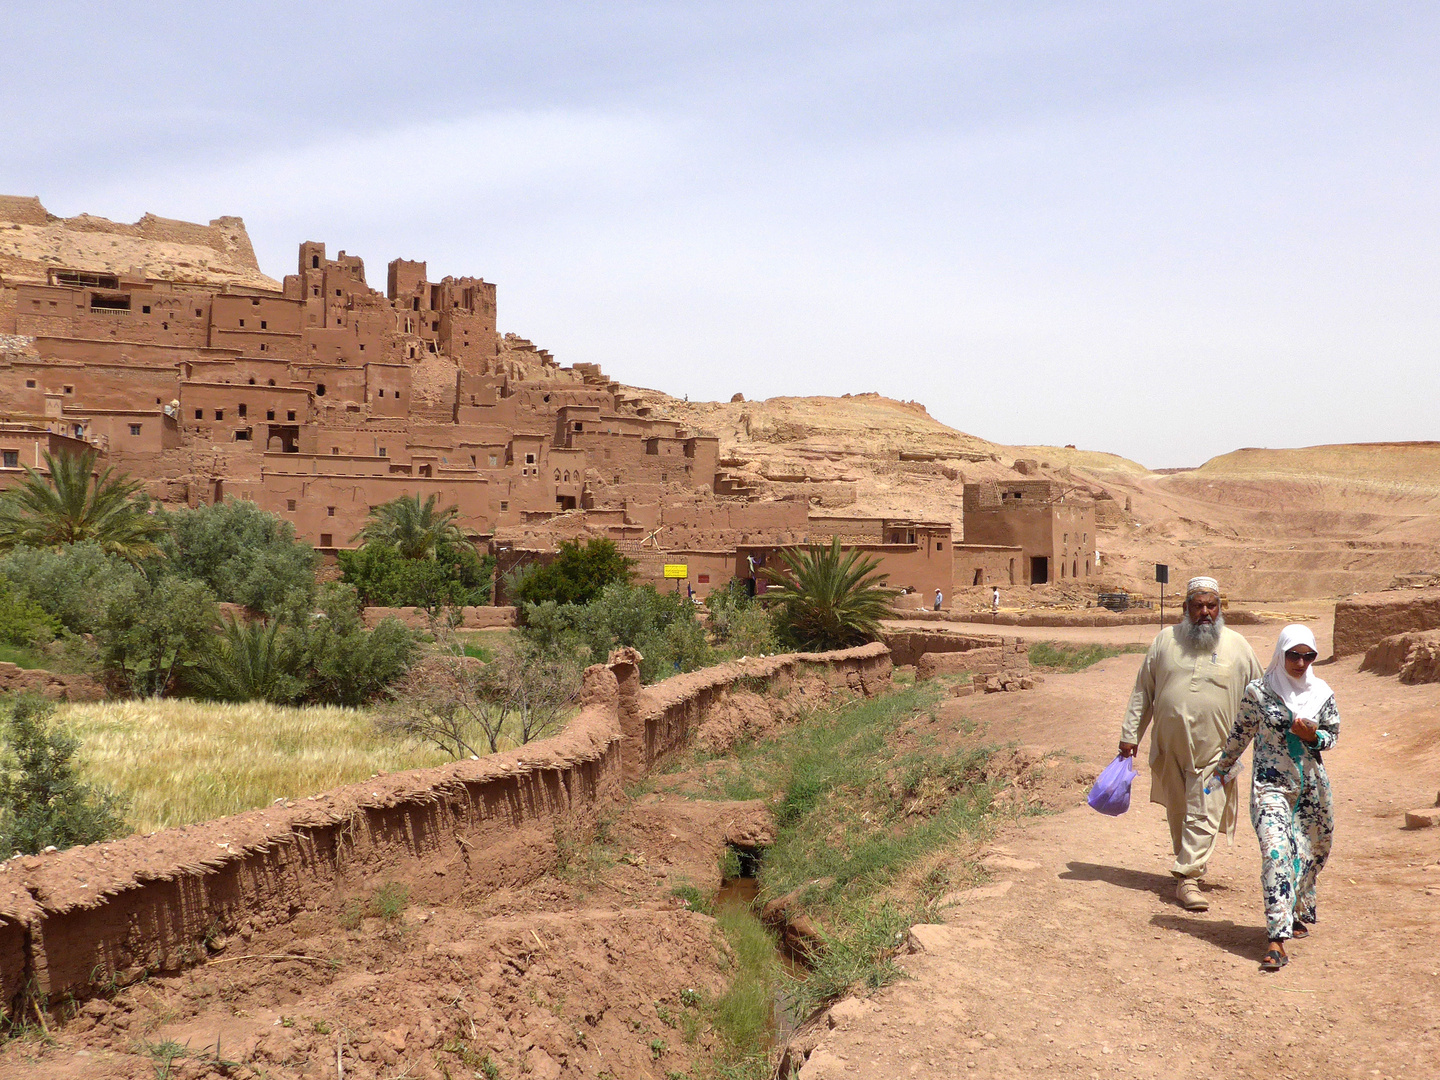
(828,599)
(414,529)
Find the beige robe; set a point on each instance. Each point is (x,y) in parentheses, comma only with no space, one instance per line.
(1192,699)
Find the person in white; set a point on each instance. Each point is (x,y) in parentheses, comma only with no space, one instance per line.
(1190,685)
(938,598)
(995,600)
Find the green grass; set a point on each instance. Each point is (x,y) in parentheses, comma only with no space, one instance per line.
(1068,658)
(25,658)
(743,1017)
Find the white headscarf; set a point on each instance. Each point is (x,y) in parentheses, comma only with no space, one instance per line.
(1302,696)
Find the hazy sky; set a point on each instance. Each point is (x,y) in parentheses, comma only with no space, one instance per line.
(1162,229)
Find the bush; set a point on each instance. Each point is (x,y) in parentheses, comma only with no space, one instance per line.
(340,661)
(153,635)
(383,577)
(740,622)
(246,556)
(23,622)
(42,800)
(662,626)
(73,583)
(250,662)
(577,575)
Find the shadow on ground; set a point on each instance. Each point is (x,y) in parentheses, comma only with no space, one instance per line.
(1139,880)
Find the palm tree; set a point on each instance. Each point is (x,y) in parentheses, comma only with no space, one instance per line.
(829,600)
(249,662)
(414,530)
(71,505)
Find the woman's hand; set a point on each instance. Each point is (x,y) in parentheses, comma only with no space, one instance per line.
(1304,730)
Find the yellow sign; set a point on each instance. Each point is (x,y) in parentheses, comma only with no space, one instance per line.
(677,570)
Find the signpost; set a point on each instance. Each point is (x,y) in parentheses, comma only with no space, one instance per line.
(678,571)
(1162,575)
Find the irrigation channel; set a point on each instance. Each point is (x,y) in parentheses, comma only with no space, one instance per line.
(742,891)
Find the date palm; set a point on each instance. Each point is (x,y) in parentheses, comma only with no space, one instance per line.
(73,504)
(829,599)
(414,529)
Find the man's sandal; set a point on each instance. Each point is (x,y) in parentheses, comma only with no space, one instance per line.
(1274,960)
(1299,930)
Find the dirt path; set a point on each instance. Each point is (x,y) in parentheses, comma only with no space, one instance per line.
(1075,960)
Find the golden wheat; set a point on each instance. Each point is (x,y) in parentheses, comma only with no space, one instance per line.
(178,762)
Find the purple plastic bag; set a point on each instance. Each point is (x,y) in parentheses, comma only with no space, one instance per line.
(1111,793)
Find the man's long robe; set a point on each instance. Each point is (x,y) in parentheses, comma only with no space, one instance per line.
(1192,699)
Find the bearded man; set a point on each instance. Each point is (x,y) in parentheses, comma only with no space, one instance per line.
(1190,685)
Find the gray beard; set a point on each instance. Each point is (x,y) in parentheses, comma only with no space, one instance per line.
(1195,638)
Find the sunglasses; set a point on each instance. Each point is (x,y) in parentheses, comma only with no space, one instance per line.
(1300,657)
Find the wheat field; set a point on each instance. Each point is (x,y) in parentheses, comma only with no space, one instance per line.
(177,762)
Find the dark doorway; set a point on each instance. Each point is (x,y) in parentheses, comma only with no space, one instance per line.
(1039,569)
(979,576)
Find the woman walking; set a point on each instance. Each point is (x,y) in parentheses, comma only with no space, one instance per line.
(1291,716)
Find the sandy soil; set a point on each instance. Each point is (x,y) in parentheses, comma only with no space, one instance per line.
(1076,961)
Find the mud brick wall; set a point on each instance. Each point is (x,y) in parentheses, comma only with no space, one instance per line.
(84,921)
(907,646)
(1363,620)
(988,661)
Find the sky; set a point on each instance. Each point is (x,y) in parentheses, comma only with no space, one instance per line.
(1165,230)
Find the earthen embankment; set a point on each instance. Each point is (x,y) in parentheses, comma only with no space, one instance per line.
(1361,621)
(93,918)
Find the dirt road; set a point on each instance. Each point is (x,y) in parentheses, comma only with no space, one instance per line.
(1076,962)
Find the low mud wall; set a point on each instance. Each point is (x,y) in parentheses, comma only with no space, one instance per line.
(1363,620)
(91,919)
(908,646)
(991,660)
(471,618)
(1415,657)
(15,679)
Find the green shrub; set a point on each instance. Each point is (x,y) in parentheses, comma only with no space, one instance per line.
(42,800)
(577,575)
(343,663)
(153,635)
(457,575)
(72,583)
(22,621)
(662,626)
(246,556)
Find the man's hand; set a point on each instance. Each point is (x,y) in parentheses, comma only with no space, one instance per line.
(1127,749)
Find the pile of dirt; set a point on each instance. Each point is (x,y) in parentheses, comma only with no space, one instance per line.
(1415,657)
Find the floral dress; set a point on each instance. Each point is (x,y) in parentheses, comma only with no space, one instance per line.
(1290,803)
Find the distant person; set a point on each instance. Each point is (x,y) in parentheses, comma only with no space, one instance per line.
(938,598)
(1190,685)
(1292,717)
(995,600)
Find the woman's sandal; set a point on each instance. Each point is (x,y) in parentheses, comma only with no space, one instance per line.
(1299,930)
(1274,960)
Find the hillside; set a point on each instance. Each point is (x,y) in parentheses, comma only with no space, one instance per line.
(32,240)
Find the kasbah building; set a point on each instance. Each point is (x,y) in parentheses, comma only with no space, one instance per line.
(319,398)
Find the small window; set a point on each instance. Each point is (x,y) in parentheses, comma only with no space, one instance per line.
(242,408)
(263,324)
(30,384)
(529,459)
(242,322)
(329,511)
(69,389)
(319,389)
(145,308)
(315,290)
(579,426)
(11,459)
(199,414)
(334,450)
(219,414)
(134,429)
(314,262)
(382,393)
(269,414)
(382,451)
(326,540)
(270,382)
(337,292)
(504,506)
(362,346)
(254,301)
(252,380)
(242,435)
(939,546)
(290,414)
(494,461)
(289,504)
(198,313)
